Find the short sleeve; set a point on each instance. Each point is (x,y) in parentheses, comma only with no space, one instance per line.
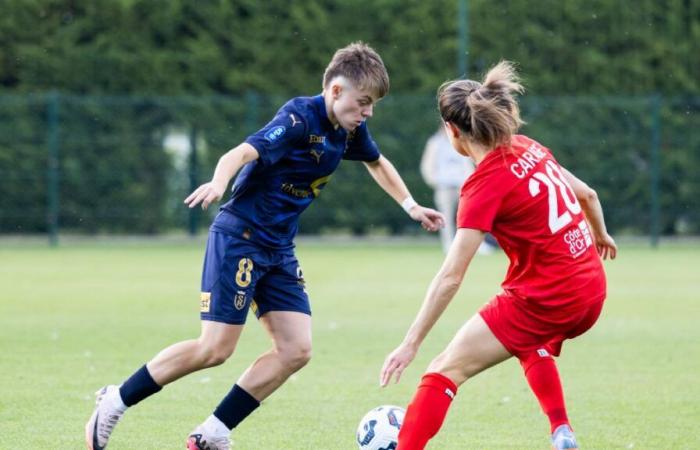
(283,133)
(361,146)
(479,204)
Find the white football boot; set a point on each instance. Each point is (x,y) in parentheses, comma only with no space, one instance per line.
(200,440)
(563,439)
(108,410)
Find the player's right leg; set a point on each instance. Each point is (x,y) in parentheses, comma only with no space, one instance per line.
(472,350)
(227,275)
(215,344)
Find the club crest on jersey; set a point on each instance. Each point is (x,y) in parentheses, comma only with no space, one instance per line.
(204,301)
(239,300)
(275,133)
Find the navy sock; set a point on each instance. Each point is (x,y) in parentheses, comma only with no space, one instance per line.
(139,386)
(236,406)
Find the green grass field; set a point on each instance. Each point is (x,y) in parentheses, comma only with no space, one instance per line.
(83,315)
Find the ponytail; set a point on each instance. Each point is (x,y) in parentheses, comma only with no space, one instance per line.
(487,111)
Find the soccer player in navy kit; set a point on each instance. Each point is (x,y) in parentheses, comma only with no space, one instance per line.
(250,262)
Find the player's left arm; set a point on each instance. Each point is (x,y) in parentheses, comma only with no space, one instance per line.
(388,178)
(440,293)
(588,198)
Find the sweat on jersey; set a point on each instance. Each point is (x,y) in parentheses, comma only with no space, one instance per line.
(520,195)
(299,150)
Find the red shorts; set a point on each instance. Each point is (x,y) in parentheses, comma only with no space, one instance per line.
(523,330)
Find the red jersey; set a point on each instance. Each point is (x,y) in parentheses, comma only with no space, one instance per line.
(520,195)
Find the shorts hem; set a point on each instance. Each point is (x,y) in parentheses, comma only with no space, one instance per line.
(220,319)
(259,313)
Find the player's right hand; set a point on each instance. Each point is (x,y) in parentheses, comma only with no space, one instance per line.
(205,194)
(396,362)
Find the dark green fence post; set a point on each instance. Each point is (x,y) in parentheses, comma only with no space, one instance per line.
(194,181)
(463,44)
(53,168)
(655,169)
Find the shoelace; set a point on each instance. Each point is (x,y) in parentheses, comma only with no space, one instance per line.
(221,444)
(106,429)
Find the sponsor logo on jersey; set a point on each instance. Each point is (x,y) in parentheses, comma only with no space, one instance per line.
(578,239)
(204,301)
(288,188)
(319,184)
(275,133)
(542,352)
(239,300)
(313,139)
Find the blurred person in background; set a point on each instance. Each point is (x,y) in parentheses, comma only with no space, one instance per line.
(551,226)
(445,171)
(250,262)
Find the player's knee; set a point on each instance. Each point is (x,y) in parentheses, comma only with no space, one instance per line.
(458,370)
(295,357)
(210,355)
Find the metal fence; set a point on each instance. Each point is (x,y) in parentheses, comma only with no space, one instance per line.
(106,164)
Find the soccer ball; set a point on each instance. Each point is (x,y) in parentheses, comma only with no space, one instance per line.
(379,429)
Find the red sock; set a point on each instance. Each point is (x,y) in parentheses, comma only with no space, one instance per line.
(542,375)
(426,412)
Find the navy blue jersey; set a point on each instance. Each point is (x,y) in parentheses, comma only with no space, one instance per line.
(299,150)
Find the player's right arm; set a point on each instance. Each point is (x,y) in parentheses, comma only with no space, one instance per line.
(440,293)
(229,164)
(588,198)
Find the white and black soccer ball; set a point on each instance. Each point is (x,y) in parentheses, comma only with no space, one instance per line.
(379,429)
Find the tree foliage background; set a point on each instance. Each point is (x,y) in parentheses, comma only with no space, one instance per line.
(605,79)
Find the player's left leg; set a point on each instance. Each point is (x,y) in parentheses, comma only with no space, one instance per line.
(282,307)
(543,377)
(471,351)
(291,350)
(290,332)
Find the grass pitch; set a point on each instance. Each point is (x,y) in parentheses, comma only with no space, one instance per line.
(83,315)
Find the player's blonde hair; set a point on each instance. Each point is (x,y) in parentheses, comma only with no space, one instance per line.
(362,66)
(488,111)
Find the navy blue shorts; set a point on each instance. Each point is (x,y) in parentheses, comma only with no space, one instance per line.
(238,275)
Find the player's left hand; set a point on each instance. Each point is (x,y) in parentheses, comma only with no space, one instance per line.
(429,219)
(396,362)
(606,246)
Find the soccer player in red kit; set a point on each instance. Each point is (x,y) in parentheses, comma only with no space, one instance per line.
(551,226)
